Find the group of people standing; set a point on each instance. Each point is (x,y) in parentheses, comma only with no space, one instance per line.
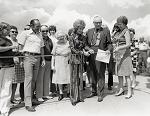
(39,57)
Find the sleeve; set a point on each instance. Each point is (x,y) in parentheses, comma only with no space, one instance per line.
(42,42)
(54,49)
(72,46)
(22,38)
(51,45)
(53,57)
(87,45)
(109,43)
(128,38)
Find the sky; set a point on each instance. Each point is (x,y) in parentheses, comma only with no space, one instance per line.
(63,13)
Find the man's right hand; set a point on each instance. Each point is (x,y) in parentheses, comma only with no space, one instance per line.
(91,51)
(13,47)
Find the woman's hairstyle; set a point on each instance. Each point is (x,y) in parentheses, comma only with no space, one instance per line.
(122,19)
(3,26)
(70,31)
(13,27)
(27,27)
(52,27)
(79,23)
(132,30)
(60,34)
(115,27)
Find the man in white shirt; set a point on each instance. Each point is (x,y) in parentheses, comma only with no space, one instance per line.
(32,44)
(143,51)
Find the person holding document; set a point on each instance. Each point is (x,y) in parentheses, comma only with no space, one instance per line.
(98,38)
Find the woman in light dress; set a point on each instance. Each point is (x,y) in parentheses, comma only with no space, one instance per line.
(122,55)
(60,65)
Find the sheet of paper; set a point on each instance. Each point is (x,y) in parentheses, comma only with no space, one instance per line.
(103,56)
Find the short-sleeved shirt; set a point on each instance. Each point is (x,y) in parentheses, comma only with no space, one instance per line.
(32,42)
(6,62)
(143,46)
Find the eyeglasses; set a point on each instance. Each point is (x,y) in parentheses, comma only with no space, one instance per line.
(97,22)
(15,32)
(26,29)
(44,30)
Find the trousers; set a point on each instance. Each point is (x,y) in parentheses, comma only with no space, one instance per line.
(31,67)
(6,76)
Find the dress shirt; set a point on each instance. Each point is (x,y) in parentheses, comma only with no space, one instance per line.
(31,41)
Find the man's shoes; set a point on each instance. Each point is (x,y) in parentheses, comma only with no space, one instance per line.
(40,100)
(60,97)
(100,99)
(30,108)
(109,88)
(36,102)
(81,100)
(92,95)
(47,97)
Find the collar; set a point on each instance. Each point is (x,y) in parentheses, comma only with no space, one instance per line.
(46,38)
(31,32)
(98,30)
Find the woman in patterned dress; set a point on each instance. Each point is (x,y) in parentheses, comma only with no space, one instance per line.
(77,44)
(19,70)
(134,49)
(123,56)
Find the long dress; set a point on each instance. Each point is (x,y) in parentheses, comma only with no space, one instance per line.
(19,70)
(60,62)
(123,57)
(77,44)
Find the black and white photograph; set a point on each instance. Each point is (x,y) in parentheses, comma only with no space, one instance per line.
(74,57)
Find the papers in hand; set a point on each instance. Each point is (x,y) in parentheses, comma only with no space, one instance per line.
(103,56)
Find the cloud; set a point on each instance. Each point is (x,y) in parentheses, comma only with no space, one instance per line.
(25,10)
(23,17)
(142,26)
(61,16)
(126,3)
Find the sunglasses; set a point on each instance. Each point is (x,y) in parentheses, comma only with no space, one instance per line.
(14,32)
(97,22)
(44,30)
(26,29)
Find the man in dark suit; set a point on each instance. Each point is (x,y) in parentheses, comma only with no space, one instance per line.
(98,38)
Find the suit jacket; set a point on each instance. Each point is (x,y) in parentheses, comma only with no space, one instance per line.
(105,39)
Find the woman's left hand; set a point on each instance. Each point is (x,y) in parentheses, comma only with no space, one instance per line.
(43,63)
(116,50)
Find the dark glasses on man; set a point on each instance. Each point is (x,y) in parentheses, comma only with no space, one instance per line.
(14,32)
(26,29)
(44,30)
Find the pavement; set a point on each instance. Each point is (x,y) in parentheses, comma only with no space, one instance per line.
(137,105)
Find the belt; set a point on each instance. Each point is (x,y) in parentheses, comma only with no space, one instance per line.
(30,53)
(7,66)
(143,50)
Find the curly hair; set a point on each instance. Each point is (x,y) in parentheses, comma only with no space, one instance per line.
(132,30)
(52,27)
(13,27)
(3,26)
(78,23)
